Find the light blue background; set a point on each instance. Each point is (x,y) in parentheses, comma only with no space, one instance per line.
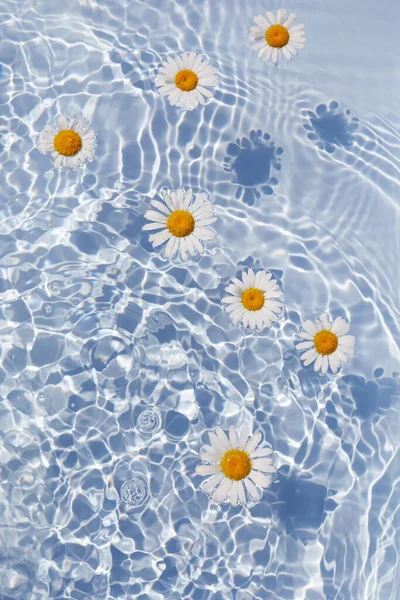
(77,274)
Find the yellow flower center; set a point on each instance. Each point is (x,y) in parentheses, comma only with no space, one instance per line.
(67,142)
(180,223)
(186,80)
(235,464)
(325,342)
(277,36)
(253,299)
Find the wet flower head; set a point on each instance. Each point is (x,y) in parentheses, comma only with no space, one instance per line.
(326,343)
(255,300)
(276,36)
(239,466)
(187,80)
(182,221)
(71,141)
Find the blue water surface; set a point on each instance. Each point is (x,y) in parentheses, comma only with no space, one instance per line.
(114,363)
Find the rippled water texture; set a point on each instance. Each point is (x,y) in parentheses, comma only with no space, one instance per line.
(115,363)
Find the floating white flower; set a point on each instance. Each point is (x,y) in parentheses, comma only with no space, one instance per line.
(237,465)
(186,80)
(71,141)
(255,301)
(326,343)
(276,36)
(182,221)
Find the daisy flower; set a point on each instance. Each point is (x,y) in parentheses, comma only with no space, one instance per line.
(71,141)
(275,36)
(254,300)
(237,466)
(182,221)
(326,343)
(186,80)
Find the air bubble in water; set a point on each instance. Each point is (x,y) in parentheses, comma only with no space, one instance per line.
(41,396)
(135,492)
(27,480)
(14,583)
(149,420)
(55,287)
(47,308)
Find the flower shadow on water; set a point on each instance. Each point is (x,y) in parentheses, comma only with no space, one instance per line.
(301,505)
(331,127)
(253,162)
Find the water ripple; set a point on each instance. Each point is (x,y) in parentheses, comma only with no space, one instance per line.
(115,363)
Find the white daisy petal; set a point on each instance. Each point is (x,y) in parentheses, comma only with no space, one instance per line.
(187,199)
(63,122)
(281,16)
(160,206)
(310,358)
(234,493)
(259,479)
(152,215)
(340,327)
(243,435)
(259,45)
(318,363)
(267,54)
(262,22)
(310,327)
(349,350)
(241,493)
(324,365)
(347,340)
(211,457)
(212,482)
(151,226)
(341,355)
(306,355)
(204,234)
(289,21)
(252,490)
(190,245)
(325,321)
(304,345)
(238,315)
(271,18)
(263,464)
(334,362)
(171,247)
(299,27)
(207,469)
(253,442)
(223,440)
(222,491)
(159,238)
(275,56)
(233,437)
(58,163)
(261,452)
(214,442)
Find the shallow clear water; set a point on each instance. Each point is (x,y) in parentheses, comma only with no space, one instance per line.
(302,163)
